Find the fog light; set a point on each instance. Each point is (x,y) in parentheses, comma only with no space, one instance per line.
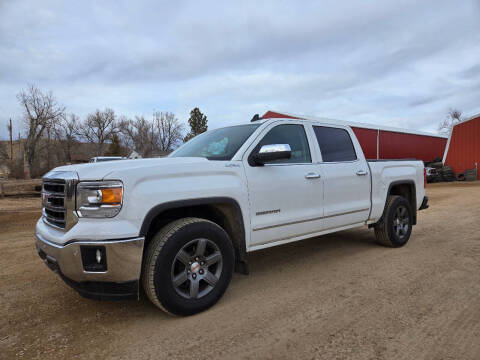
(94,258)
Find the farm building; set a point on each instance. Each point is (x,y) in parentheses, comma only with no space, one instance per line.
(463,147)
(383,142)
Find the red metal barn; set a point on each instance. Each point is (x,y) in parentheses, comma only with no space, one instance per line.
(383,142)
(463,147)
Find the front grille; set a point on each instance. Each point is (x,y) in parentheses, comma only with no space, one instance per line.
(53,201)
(58,199)
(54,187)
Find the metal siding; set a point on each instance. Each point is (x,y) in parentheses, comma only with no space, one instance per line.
(368,140)
(464,149)
(394,145)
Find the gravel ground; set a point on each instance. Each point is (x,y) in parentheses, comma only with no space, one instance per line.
(336,297)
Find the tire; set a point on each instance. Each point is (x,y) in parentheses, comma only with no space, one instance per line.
(388,231)
(436,165)
(167,259)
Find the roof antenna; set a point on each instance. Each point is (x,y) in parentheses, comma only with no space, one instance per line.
(256,117)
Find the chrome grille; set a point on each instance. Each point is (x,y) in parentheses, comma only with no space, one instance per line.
(53,201)
(58,199)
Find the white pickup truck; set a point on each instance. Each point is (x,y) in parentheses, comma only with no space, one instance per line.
(181,225)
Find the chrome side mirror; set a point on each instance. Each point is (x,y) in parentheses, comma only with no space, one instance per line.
(272,152)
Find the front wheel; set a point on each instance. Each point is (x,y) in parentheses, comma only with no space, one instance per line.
(188,266)
(396,227)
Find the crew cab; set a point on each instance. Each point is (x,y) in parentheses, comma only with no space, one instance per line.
(181,225)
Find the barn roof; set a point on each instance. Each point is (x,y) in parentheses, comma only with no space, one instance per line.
(474,117)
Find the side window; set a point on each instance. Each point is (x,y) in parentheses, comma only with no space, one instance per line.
(335,144)
(293,135)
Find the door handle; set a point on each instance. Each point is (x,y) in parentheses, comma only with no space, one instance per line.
(312,175)
(361,172)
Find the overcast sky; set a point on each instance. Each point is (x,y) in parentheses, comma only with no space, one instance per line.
(398,63)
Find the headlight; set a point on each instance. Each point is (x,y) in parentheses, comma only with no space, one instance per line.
(99,199)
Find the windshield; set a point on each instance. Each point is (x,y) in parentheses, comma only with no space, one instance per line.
(219,144)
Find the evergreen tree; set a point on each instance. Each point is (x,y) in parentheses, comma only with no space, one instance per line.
(197,122)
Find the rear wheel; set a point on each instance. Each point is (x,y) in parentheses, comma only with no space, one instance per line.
(188,266)
(395,228)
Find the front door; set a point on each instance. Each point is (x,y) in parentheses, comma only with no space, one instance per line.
(286,196)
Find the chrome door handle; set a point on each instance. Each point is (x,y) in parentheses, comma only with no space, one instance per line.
(361,172)
(312,175)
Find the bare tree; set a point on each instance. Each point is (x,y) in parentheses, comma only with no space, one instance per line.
(453,117)
(66,132)
(163,134)
(99,127)
(167,130)
(41,111)
(138,135)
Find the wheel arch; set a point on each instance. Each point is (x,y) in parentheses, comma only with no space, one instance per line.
(407,189)
(224,211)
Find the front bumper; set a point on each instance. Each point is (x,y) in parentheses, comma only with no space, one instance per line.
(120,279)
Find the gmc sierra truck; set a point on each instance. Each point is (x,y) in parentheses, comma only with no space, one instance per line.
(181,225)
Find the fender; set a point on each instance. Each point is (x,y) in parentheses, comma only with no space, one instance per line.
(413,198)
(239,244)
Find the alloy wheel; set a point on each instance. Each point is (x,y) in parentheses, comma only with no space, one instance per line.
(401,221)
(196,269)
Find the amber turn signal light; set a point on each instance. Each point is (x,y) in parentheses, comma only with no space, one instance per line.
(112,196)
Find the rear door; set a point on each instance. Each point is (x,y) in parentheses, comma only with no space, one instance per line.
(346,177)
(286,196)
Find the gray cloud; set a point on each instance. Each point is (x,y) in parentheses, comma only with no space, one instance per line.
(471,72)
(397,63)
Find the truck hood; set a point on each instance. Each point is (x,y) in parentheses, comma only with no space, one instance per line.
(99,170)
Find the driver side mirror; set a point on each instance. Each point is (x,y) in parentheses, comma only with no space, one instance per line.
(272,152)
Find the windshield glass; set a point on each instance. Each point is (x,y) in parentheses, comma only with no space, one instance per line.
(219,144)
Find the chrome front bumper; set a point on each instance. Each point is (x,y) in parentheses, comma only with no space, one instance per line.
(123,265)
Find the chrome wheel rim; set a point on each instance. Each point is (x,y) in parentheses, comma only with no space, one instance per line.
(196,268)
(401,222)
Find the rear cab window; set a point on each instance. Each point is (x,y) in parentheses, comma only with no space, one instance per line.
(335,144)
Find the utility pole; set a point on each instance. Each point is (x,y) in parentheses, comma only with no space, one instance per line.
(11,139)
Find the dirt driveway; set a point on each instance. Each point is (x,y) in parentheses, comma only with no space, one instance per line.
(336,297)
